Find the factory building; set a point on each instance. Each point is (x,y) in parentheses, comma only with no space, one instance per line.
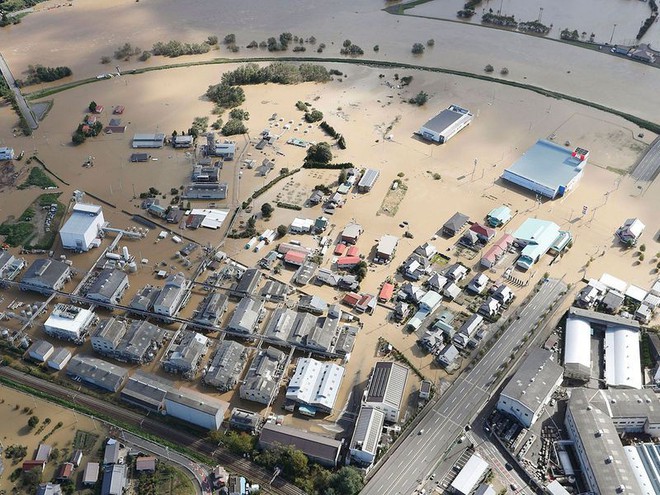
(133,341)
(68,322)
(146,391)
(366,436)
(470,476)
(446,124)
(322,450)
(386,388)
(108,287)
(96,373)
(262,379)
(10,266)
(46,276)
(368,180)
(148,140)
(226,367)
(172,296)
(83,229)
(536,237)
(548,169)
(531,387)
(195,408)
(315,385)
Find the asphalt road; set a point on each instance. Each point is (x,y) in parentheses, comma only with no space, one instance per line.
(407,466)
(648,167)
(20,100)
(179,436)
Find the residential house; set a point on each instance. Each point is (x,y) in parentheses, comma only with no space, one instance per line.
(630,232)
(246,317)
(262,380)
(478,284)
(351,233)
(455,224)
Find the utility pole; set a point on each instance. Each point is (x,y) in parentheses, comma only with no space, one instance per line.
(540,14)
(612,36)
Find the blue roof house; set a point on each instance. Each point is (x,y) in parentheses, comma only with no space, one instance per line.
(536,237)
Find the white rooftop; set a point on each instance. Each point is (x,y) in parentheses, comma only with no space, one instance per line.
(473,471)
(212,218)
(68,319)
(622,359)
(611,282)
(315,383)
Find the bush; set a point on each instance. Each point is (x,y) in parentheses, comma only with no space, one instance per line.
(277,72)
(38,178)
(430,42)
(376,48)
(212,40)
(105,59)
(267,210)
(38,73)
(252,44)
(175,48)
(230,39)
(302,106)
(417,49)
(288,206)
(282,230)
(225,95)
(352,50)
(504,71)
(239,114)
(326,166)
(126,51)
(144,57)
(489,68)
(419,99)
(33,421)
(319,153)
(299,49)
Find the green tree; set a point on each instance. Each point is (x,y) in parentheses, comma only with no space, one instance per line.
(239,114)
(342,176)
(33,421)
(346,481)
(282,230)
(360,270)
(225,95)
(267,210)
(314,116)
(642,248)
(92,106)
(230,39)
(233,127)
(238,443)
(78,138)
(419,99)
(212,40)
(320,153)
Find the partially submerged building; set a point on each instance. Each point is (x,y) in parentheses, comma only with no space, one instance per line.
(132,341)
(366,436)
(108,287)
(630,231)
(68,322)
(548,169)
(172,297)
(225,369)
(185,353)
(83,229)
(446,124)
(315,385)
(535,238)
(262,379)
(195,408)
(45,276)
(96,372)
(246,317)
(322,450)
(386,389)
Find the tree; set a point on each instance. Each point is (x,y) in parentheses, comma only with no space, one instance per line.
(504,71)
(347,43)
(320,153)
(418,49)
(376,48)
(78,138)
(230,39)
(314,116)
(238,443)
(419,99)
(33,421)
(282,230)
(489,68)
(346,481)
(642,248)
(430,42)
(342,176)
(267,210)
(225,95)
(92,106)
(212,40)
(233,127)
(240,114)
(360,270)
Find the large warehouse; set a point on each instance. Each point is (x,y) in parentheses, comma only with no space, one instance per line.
(621,343)
(68,322)
(548,169)
(446,124)
(148,140)
(82,228)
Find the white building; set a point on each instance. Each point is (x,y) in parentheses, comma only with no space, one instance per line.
(366,436)
(195,408)
(386,248)
(82,228)
(59,359)
(315,384)
(386,388)
(446,124)
(301,226)
(40,350)
(172,296)
(68,322)
(531,387)
(470,476)
(577,349)
(630,231)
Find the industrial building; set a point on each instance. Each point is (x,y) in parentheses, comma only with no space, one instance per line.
(630,231)
(6,153)
(468,479)
(172,297)
(148,140)
(185,353)
(366,436)
(59,359)
(301,226)
(144,299)
(386,388)
(115,479)
(182,141)
(224,370)
(262,379)
(368,180)
(10,266)
(68,322)
(243,420)
(205,191)
(247,284)
(195,408)
(596,443)
(211,309)
(83,229)
(133,341)
(96,372)
(322,450)
(146,391)
(621,343)
(446,124)
(536,237)
(40,350)
(45,276)
(531,387)
(548,169)
(644,459)
(246,316)
(315,385)
(108,287)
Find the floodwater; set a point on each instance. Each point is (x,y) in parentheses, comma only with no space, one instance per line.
(590,16)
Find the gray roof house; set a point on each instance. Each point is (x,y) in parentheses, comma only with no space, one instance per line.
(275,291)
(226,367)
(115,479)
(243,420)
(172,297)
(108,287)
(312,304)
(247,284)
(146,391)
(144,299)
(454,225)
(246,316)
(317,448)
(46,276)
(263,376)
(96,372)
(280,324)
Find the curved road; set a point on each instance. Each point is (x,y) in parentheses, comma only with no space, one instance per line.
(179,436)
(412,461)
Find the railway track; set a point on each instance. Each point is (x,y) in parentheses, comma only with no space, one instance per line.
(179,436)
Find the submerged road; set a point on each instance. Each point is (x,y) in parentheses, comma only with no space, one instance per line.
(416,456)
(179,436)
(23,106)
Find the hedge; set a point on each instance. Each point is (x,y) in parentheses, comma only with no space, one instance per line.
(288,206)
(265,188)
(328,166)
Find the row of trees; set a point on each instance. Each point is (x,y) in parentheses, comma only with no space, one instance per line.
(236,123)
(176,48)
(38,73)
(277,72)
(349,48)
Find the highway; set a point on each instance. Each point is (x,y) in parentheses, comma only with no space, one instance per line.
(648,167)
(180,436)
(409,464)
(23,106)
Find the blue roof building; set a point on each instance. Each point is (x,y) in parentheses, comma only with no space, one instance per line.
(548,169)
(499,216)
(536,237)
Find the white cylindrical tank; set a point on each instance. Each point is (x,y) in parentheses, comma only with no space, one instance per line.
(132,267)
(112,256)
(125,253)
(259,246)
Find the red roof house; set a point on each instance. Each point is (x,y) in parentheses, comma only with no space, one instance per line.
(340,249)
(353,251)
(147,463)
(30,465)
(346,262)
(118,110)
(295,258)
(351,299)
(484,233)
(386,292)
(65,471)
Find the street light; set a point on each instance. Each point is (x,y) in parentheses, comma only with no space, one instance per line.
(612,36)
(540,13)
